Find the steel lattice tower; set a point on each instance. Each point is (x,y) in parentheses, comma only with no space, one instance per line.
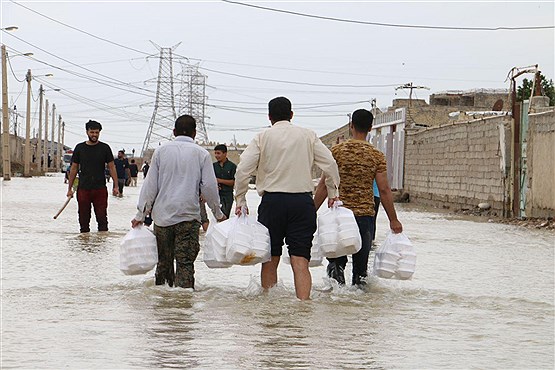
(163,116)
(192,98)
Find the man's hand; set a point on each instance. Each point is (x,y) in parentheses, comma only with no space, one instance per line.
(135,223)
(115,191)
(70,192)
(331,201)
(222,219)
(396,226)
(240,209)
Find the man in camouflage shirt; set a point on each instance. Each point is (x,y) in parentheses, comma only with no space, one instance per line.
(359,164)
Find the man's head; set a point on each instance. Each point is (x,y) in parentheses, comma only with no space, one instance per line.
(132,161)
(185,125)
(93,130)
(220,152)
(279,109)
(121,154)
(361,120)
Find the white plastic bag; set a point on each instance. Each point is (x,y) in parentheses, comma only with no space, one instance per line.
(248,242)
(215,244)
(338,233)
(138,251)
(395,258)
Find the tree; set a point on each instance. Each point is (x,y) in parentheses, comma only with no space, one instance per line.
(523,92)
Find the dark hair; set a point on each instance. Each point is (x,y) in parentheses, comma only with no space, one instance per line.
(221,148)
(279,109)
(132,161)
(362,120)
(185,125)
(93,125)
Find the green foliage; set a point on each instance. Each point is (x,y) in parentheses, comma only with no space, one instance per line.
(523,92)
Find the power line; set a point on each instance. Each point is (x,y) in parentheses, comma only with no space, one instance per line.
(79,30)
(74,64)
(390,24)
(293,82)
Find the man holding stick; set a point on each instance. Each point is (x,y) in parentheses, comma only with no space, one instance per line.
(89,159)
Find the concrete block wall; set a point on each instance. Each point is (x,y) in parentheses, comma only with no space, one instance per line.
(457,166)
(540,199)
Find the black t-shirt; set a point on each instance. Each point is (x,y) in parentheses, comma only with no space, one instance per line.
(134,169)
(92,161)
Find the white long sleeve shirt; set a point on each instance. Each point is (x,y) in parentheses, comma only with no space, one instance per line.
(282,157)
(170,193)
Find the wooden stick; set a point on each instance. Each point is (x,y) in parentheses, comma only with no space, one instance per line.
(63,207)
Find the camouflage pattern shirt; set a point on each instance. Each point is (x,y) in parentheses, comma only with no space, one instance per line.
(358,163)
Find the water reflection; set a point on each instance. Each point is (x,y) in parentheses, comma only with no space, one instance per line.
(482,297)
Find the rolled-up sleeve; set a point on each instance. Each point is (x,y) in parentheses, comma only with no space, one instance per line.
(209,187)
(245,169)
(149,190)
(325,161)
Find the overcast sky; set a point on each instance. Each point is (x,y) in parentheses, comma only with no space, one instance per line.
(327,68)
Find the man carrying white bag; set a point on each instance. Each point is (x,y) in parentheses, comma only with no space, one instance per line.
(359,163)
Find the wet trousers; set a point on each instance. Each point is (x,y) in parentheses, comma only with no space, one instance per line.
(179,242)
(360,259)
(86,198)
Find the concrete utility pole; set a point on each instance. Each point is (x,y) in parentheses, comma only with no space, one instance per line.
(6,162)
(63,136)
(27,164)
(59,146)
(411,87)
(52,137)
(39,137)
(45,153)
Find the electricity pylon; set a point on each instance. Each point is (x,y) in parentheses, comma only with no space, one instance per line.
(192,98)
(163,117)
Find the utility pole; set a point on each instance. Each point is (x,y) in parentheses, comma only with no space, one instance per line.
(39,137)
(6,162)
(411,87)
(59,146)
(52,137)
(45,153)
(64,134)
(27,164)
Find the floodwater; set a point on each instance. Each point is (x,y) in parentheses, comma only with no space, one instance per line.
(482,297)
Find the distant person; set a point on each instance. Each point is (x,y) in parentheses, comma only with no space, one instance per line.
(282,157)
(89,159)
(122,164)
(359,164)
(133,172)
(145,169)
(225,175)
(180,170)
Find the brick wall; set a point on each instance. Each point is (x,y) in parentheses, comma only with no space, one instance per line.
(540,199)
(460,165)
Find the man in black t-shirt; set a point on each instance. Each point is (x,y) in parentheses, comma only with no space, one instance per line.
(89,159)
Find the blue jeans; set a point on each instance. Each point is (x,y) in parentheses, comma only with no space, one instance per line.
(360,259)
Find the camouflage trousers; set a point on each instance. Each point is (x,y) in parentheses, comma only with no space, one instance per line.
(179,242)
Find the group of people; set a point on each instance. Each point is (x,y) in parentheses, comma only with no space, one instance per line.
(182,179)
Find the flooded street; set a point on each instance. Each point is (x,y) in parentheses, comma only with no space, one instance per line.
(482,297)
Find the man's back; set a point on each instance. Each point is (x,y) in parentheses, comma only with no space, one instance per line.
(175,175)
(358,163)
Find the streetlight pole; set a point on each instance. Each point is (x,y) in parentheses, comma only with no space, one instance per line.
(27,165)
(52,137)
(39,137)
(45,153)
(6,162)
(59,148)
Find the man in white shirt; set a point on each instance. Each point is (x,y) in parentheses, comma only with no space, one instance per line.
(282,158)
(170,194)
